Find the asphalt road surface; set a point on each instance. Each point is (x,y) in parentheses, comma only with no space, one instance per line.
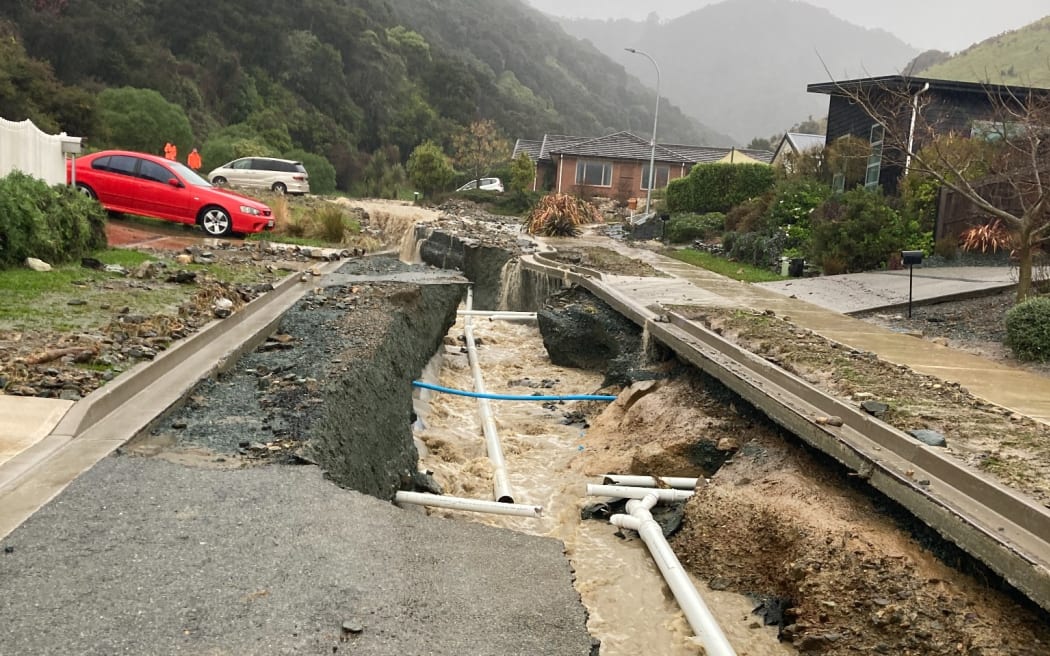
(142,556)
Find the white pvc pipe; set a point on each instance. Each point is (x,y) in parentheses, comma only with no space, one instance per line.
(676,482)
(624,492)
(704,624)
(500,482)
(473,505)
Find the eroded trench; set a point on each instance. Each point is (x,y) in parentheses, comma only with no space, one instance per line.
(790,552)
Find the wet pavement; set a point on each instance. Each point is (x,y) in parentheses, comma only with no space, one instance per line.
(884,290)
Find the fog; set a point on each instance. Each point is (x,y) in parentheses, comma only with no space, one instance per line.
(950,25)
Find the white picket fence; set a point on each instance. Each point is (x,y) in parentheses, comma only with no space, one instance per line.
(26,148)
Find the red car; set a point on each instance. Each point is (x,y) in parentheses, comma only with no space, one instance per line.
(152,186)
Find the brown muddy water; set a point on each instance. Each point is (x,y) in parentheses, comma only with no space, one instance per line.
(631,609)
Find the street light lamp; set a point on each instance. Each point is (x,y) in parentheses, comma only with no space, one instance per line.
(652,142)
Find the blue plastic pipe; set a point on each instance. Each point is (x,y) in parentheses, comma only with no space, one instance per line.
(514,397)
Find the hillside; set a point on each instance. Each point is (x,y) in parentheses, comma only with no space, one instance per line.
(743,65)
(1020,57)
(355,81)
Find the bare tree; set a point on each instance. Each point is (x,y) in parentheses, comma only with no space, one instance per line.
(1004,171)
(479,147)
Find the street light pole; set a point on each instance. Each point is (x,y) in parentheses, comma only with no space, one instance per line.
(652,142)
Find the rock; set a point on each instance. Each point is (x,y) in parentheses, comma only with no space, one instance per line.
(37,265)
(353,626)
(875,408)
(222,308)
(91,263)
(930,437)
(183,258)
(77,301)
(636,391)
(727,444)
(829,421)
(116,268)
(812,642)
(183,277)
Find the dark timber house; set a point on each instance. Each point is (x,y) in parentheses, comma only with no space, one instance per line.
(967,109)
(948,106)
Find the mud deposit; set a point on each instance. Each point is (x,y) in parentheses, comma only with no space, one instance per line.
(783,525)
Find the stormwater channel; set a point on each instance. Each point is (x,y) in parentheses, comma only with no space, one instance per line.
(631,610)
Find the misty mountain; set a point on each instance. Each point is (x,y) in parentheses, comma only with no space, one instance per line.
(742,66)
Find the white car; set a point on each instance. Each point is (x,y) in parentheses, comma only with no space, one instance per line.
(487,184)
(280,175)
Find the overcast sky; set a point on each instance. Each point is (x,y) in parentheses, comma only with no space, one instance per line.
(950,25)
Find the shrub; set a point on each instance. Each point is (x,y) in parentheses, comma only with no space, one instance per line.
(749,216)
(728,241)
(755,248)
(55,224)
(718,187)
(331,222)
(858,228)
(320,170)
(560,215)
(684,228)
(1028,329)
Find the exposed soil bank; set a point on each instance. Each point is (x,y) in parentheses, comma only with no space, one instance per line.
(334,386)
(786,526)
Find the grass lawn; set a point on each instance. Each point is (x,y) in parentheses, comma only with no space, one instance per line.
(71,297)
(727,268)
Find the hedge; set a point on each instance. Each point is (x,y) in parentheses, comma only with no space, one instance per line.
(54,224)
(718,187)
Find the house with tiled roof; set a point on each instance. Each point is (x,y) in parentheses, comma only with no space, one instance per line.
(617,165)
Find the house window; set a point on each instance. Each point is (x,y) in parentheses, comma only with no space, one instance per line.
(663,173)
(871,175)
(593,173)
(996,130)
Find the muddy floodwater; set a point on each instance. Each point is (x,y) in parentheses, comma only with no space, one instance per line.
(631,609)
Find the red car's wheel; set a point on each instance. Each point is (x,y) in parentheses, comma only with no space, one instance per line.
(87,191)
(215,221)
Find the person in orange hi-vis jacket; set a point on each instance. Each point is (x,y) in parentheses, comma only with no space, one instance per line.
(174,153)
(169,150)
(193,160)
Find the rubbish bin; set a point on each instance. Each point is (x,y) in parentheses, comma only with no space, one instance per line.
(796,267)
(784,266)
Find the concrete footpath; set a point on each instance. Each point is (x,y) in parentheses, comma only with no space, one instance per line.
(885,290)
(817,304)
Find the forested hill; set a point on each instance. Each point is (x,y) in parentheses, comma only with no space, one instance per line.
(1020,57)
(345,79)
(743,65)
